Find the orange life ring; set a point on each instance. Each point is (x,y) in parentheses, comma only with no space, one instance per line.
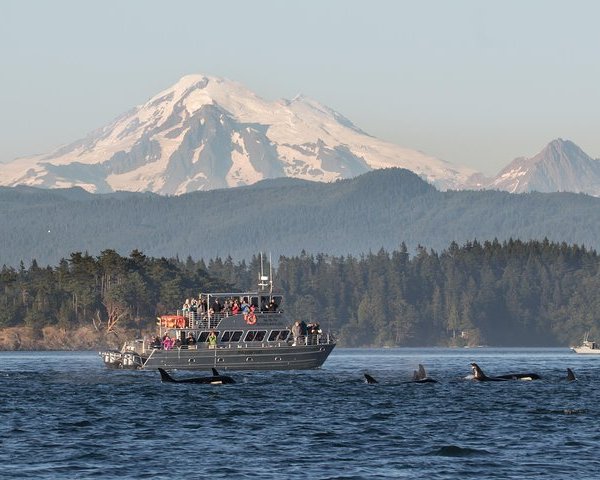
(250,318)
(181,322)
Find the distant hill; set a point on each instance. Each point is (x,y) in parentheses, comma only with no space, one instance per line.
(382,208)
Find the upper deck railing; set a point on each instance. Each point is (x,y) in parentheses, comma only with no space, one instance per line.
(208,320)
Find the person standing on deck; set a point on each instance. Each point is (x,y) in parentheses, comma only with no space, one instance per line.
(212,339)
(245,307)
(296,331)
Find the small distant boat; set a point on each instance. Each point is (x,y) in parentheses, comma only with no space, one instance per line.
(587,347)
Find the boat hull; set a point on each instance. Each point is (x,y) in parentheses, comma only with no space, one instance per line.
(586,350)
(285,357)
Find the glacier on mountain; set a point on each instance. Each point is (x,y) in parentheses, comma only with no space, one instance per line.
(207,132)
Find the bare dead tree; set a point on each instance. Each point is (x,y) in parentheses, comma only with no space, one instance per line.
(97,321)
(115,311)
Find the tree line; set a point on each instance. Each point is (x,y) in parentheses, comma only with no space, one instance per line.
(511,293)
(348,217)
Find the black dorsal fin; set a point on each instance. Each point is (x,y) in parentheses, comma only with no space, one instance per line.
(165,377)
(570,375)
(422,373)
(215,373)
(478,372)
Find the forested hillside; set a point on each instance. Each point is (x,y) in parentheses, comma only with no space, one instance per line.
(509,293)
(380,209)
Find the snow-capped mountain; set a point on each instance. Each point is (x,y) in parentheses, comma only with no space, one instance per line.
(206,132)
(560,167)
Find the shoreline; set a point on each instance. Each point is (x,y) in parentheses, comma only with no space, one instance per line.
(53,338)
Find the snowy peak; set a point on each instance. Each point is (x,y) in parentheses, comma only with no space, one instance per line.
(560,151)
(561,166)
(207,132)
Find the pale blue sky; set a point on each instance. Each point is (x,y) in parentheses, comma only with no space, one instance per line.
(474,82)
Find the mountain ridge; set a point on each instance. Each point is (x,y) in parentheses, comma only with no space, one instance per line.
(379,209)
(206,132)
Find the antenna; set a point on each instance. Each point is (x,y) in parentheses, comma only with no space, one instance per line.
(270,273)
(262,278)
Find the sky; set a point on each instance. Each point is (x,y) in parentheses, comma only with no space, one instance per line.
(476,83)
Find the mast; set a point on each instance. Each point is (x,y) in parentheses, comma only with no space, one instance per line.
(270,275)
(262,278)
(266,280)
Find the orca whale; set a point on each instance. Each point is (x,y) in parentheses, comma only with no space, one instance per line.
(482,377)
(570,375)
(216,378)
(420,376)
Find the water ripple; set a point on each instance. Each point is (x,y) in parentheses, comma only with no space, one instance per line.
(456,451)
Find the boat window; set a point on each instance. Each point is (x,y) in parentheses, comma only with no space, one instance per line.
(273,335)
(236,336)
(231,336)
(255,336)
(260,335)
(202,337)
(226,336)
(283,335)
(278,335)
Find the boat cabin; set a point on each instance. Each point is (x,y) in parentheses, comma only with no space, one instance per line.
(238,320)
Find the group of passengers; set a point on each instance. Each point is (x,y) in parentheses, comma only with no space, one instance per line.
(167,342)
(225,307)
(304,333)
(194,305)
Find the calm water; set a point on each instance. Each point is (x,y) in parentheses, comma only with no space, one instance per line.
(63,415)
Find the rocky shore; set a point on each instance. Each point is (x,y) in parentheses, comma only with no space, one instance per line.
(54,338)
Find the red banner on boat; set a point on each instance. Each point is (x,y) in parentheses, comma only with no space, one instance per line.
(172,321)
